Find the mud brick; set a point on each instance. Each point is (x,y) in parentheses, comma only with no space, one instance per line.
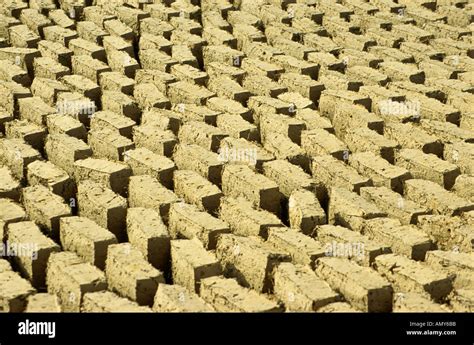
(21,36)
(320,43)
(10,212)
(237,127)
(117,29)
(222,54)
(368,76)
(155,26)
(384,38)
(164,119)
(405,240)
(76,105)
(366,140)
(300,289)
(77,278)
(150,41)
(225,105)
(120,103)
(242,151)
(155,59)
(420,52)
(302,249)
(46,67)
(406,211)
(329,8)
(194,112)
(353,57)
(31,133)
(88,67)
(404,87)
(237,17)
(52,177)
(97,15)
(34,109)
(5,117)
(11,72)
(42,303)
(200,160)
(348,209)
(267,69)
(159,141)
(45,208)
(16,155)
(298,101)
(103,206)
(184,55)
(263,86)
(256,221)
(116,43)
(87,239)
(33,267)
(146,191)
(361,8)
(189,74)
(194,43)
(452,88)
(113,121)
(449,233)
(250,260)
(82,85)
(305,211)
(131,16)
(108,144)
(329,99)
(161,11)
(176,298)
(454,263)
(48,89)
(112,175)
(464,186)
(7,21)
(409,136)
(130,275)
(294,65)
(109,302)
(294,49)
(392,55)
(261,50)
(144,162)
(428,166)
(58,34)
(267,197)
(185,92)
(382,98)
(148,95)
(307,25)
(116,81)
(224,86)
(335,80)
(268,105)
(410,302)
(61,19)
(330,171)
(14,291)
(191,263)
(364,288)
(159,78)
(202,134)
(313,119)
(467,121)
(90,32)
(216,36)
(435,197)
(461,101)
(247,34)
(10,187)
(24,55)
(318,142)
(56,51)
(433,109)
(355,246)
(80,46)
(411,276)
(461,154)
(187,9)
(188,222)
(327,61)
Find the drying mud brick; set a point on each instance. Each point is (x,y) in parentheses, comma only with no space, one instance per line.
(404,240)
(197,190)
(46,67)
(330,171)
(109,302)
(189,74)
(237,127)
(55,51)
(261,105)
(454,263)
(90,32)
(69,278)
(340,241)
(14,291)
(21,36)
(108,144)
(222,54)
(16,155)
(187,221)
(163,118)
(191,263)
(63,150)
(250,260)
(348,116)
(225,105)
(411,137)
(48,89)
(10,187)
(147,232)
(194,112)
(348,209)
(87,239)
(303,85)
(151,137)
(300,289)
(61,19)
(364,288)
(240,180)
(33,261)
(202,134)
(461,154)
(130,275)
(102,206)
(408,275)
(302,249)
(395,205)
(277,123)
(447,132)
(10,212)
(146,191)
(318,142)
(226,87)
(116,81)
(113,121)
(283,148)
(313,119)
(144,162)
(367,140)
(330,98)
(428,166)
(148,95)
(242,151)
(436,198)
(88,67)
(52,177)
(60,35)
(25,57)
(45,208)
(380,171)
(176,298)
(43,303)
(198,159)
(226,295)
(464,187)
(11,72)
(244,220)
(82,85)
(263,86)
(305,211)
(31,133)
(412,302)
(120,103)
